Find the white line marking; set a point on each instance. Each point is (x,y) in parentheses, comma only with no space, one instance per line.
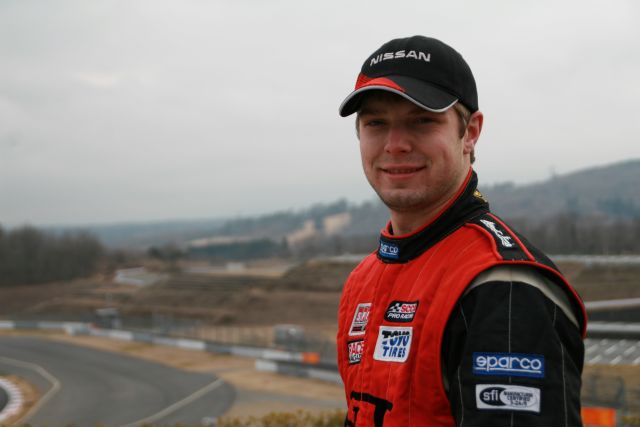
(179,404)
(592,348)
(611,349)
(616,360)
(629,350)
(55,385)
(595,360)
(636,362)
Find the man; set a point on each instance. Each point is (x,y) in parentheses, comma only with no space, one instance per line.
(456,320)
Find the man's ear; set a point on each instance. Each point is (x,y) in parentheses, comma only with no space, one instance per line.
(474,128)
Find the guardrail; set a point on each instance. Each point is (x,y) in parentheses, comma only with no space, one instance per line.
(612,305)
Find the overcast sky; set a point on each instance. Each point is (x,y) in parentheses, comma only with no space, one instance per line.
(128,110)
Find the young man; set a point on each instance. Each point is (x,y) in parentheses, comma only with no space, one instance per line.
(456,320)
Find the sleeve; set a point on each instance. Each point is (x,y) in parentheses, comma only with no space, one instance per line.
(512,356)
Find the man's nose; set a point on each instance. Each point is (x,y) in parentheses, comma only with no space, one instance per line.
(398,140)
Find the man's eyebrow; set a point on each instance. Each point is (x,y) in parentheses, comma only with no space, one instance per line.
(369,110)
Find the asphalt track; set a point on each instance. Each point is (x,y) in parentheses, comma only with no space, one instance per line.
(3,399)
(85,387)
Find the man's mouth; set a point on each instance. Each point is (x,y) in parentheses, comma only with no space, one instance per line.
(403,170)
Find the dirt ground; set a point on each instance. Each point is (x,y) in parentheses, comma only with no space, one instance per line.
(259,393)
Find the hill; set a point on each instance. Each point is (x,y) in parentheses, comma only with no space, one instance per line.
(604,194)
(608,192)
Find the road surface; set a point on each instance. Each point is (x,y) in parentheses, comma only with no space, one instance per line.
(85,387)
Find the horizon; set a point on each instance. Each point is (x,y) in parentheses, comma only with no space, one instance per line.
(221,219)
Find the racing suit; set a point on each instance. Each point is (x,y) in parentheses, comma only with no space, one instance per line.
(462,323)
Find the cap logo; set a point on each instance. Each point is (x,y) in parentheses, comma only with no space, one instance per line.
(399,54)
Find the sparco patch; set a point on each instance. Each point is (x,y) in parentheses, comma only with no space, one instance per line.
(389,250)
(509,364)
(356,349)
(360,319)
(508,397)
(401,311)
(394,344)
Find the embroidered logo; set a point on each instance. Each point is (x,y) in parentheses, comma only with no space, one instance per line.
(505,240)
(508,397)
(356,350)
(401,311)
(400,54)
(360,319)
(509,364)
(478,195)
(389,250)
(394,344)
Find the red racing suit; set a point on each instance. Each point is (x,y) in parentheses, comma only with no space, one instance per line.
(415,350)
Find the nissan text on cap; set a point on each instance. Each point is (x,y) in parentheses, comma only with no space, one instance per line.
(423,70)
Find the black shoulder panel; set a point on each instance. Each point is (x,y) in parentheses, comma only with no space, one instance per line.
(505,239)
(537,253)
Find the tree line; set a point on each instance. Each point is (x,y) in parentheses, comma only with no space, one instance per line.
(29,255)
(562,234)
(584,235)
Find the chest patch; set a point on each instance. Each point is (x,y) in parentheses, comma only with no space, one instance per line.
(356,349)
(393,344)
(401,311)
(360,319)
(507,397)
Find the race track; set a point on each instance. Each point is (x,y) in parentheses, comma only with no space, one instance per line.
(85,387)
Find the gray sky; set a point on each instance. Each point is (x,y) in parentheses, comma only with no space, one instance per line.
(145,110)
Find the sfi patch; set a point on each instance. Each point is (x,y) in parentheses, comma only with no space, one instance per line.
(360,319)
(394,344)
(401,311)
(508,397)
(356,350)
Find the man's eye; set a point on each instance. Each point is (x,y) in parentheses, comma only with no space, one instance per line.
(424,120)
(373,123)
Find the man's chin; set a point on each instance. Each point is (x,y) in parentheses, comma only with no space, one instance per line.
(403,200)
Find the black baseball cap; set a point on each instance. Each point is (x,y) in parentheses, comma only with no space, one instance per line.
(426,71)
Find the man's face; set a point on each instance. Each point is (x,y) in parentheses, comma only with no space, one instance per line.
(414,159)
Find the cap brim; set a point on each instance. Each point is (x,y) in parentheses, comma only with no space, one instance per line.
(422,94)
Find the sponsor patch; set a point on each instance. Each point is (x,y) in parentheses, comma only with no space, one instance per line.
(356,349)
(401,311)
(389,250)
(479,195)
(394,344)
(508,397)
(360,319)
(506,240)
(508,364)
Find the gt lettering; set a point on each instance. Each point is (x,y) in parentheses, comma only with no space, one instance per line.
(382,406)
